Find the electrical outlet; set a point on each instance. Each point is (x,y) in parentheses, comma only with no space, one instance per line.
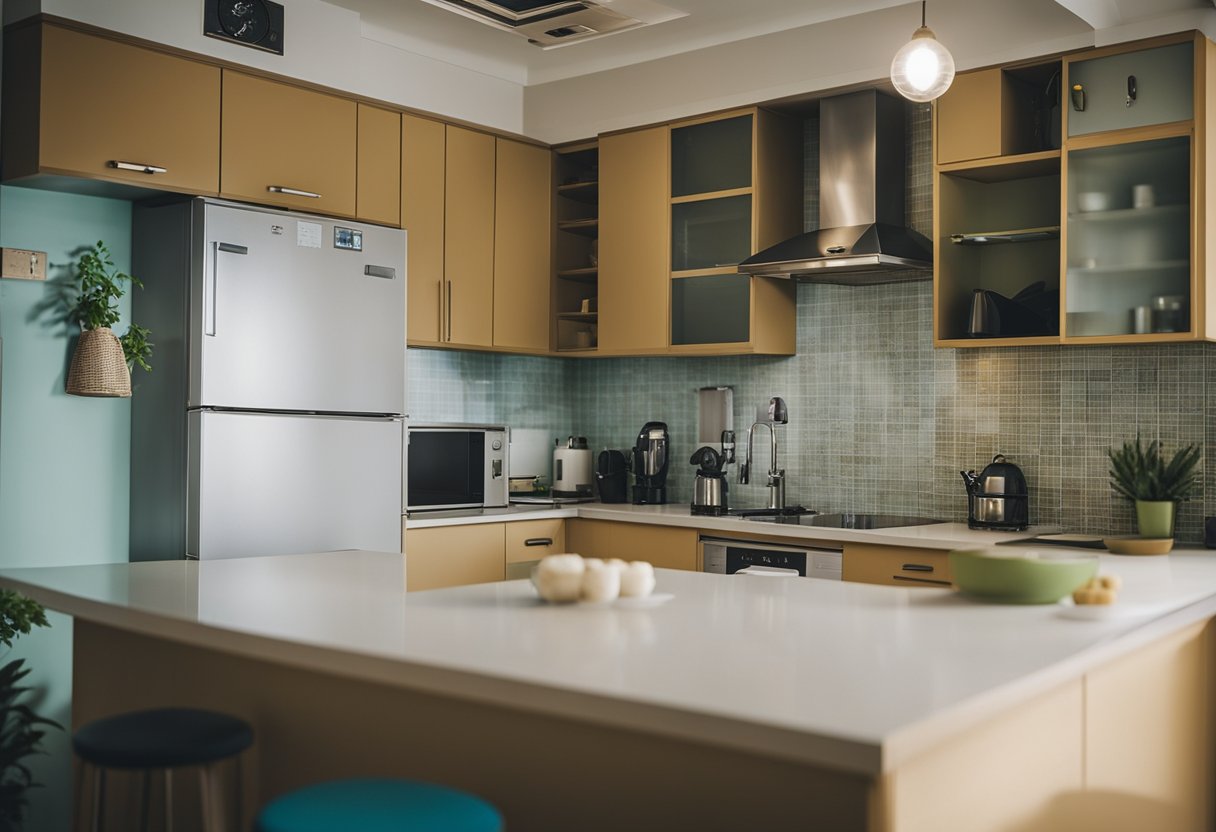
(23,264)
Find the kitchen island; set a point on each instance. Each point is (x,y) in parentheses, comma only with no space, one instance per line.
(738,703)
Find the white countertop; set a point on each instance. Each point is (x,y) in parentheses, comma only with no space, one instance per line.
(849,676)
(934,536)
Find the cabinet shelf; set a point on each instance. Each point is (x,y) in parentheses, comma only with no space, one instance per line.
(581,317)
(587,275)
(1024,235)
(1004,168)
(1124,214)
(585,228)
(1130,268)
(588,192)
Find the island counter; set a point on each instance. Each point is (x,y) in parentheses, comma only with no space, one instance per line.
(740,703)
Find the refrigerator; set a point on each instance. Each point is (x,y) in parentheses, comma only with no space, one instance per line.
(273,419)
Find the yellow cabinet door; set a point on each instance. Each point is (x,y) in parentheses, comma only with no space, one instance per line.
(975,118)
(378,182)
(667,547)
(422,210)
(288,146)
(468,241)
(91,107)
(454,556)
(895,565)
(634,292)
(522,245)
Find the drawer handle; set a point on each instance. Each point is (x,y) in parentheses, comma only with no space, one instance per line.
(917,567)
(279,189)
(925,581)
(138,167)
(539,541)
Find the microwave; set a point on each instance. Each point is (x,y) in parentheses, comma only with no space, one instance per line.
(455,467)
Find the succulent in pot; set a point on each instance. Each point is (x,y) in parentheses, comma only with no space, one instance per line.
(102,362)
(1143,474)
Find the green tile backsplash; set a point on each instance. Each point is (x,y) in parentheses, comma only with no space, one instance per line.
(879,420)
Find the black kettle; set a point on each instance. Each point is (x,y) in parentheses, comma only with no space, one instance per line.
(997,498)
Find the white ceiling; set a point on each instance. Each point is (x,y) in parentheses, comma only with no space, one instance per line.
(425,29)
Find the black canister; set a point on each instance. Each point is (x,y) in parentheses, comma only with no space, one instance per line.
(611,476)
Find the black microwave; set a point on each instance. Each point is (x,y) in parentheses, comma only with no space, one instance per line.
(455,467)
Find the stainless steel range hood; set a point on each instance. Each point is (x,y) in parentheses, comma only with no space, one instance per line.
(862,237)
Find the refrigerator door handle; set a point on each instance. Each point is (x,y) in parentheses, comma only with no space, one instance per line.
(212,283)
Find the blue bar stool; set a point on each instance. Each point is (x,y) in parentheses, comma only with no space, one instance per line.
(165,738)
(378,806)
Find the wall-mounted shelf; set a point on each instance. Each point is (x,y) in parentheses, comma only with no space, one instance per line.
(588,274)
(584,317)
(1024,235)
(576,250)
(588,192)
(586,227)
(1131,214)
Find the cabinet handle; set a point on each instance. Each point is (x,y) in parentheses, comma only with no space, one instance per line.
(539,541)
(916,567)
(279,189)
(449,311)
(442,335)
(138,167)
(925,581)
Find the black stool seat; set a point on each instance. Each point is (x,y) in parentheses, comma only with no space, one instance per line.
(162,738)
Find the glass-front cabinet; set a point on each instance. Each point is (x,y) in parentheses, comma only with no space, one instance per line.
(732,193)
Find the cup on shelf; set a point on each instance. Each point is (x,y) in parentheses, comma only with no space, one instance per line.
(1142,320)
(582,338)
(1089,201)
(1143,196)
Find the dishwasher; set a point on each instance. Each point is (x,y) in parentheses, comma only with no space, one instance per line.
(726,556)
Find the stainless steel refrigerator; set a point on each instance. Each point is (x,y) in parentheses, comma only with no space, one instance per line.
(272,421)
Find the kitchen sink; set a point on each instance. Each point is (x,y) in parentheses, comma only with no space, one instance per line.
(844,520)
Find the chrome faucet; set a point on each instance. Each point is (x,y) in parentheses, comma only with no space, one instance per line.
(778,414)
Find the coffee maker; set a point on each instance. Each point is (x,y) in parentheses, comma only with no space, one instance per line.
(650,464)
(709,489)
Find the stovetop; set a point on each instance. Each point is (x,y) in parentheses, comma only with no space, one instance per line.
(844,520)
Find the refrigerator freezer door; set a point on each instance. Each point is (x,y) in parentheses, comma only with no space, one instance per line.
(295,312)
(273,484)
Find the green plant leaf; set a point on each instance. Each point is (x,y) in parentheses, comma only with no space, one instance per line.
(1141,472)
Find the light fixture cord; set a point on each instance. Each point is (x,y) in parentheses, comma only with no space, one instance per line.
(922,13)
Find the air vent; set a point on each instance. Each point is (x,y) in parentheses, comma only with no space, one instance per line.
(547,23)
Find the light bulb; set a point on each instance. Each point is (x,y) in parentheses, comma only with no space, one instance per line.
(922,68)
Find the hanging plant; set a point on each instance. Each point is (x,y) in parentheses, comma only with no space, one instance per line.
(102,363)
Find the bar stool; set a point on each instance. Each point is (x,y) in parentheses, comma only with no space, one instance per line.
(375,805)
(164,738)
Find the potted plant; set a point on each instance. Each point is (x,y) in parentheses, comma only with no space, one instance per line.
(1141,473)
(101,364)
(21,730)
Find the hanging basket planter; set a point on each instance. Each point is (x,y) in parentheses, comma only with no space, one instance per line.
(99,367)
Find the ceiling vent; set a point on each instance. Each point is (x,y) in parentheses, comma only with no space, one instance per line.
(547,23)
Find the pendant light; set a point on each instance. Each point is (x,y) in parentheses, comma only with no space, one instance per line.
(922,68)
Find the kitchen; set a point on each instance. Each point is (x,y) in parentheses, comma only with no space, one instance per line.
(867,390)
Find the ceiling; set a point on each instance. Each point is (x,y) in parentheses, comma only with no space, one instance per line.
(419,27)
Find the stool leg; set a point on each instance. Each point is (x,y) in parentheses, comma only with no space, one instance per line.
(204,796)
(145,795)
(99,797)
(168,800)
(79,771)
(238,792)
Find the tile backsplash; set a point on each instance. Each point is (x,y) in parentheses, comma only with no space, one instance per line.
(879,420)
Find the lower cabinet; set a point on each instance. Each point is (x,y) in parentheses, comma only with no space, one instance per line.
(895,565)
(530,540)
(666,547)
(454,556)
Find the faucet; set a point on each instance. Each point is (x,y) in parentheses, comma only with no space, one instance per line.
(778,414)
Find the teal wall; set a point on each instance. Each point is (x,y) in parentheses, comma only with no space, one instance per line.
(63,459)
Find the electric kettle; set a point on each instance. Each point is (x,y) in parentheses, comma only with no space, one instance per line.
(997,498)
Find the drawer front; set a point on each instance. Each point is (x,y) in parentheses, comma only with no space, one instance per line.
(529,540)
(1164,89)
(665,547)
(453,556)
(896,566)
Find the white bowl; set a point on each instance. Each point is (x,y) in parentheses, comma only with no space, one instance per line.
(1088,201)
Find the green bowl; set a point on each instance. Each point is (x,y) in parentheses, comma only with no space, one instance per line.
(1020,577)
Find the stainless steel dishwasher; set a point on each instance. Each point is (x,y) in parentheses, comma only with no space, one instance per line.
(727,556)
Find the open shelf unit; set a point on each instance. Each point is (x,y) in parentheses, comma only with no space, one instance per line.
(576,247)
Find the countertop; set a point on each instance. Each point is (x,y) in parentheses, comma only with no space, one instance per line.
(935,536)
(850,676)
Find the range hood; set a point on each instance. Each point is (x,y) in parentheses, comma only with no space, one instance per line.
(862,237)
(545,23)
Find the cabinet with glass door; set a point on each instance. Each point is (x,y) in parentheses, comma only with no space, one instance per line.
(734,190)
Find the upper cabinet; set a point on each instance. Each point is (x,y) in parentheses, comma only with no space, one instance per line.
(735,188)
(423,162)
(1088,225)
(522,245)
(288,146)
(468,247)
(84,106)
(378,184)
(577,214)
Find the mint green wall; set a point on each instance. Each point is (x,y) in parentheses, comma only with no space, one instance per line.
(64,460)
